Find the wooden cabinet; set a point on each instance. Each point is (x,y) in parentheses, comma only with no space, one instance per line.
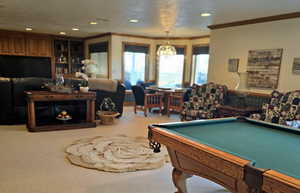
(12,44)
(68,55)
(25,44)
(38,46)
(5,46)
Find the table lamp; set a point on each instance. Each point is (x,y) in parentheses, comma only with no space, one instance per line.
(242,84)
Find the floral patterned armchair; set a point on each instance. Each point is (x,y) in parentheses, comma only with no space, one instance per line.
(282,107)
(204,101)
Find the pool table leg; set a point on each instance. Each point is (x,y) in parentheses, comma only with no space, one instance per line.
(179,180)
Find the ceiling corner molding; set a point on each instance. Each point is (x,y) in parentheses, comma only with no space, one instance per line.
(199,37)
(98,36)
(256,20)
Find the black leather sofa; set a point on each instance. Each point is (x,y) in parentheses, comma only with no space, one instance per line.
(13,102)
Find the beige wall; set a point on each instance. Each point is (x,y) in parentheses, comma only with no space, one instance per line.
(116,54)
(235,42)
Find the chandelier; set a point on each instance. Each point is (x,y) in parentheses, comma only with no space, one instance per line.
(166,49)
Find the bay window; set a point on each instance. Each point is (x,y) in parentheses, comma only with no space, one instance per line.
(170,69)
(134,64)
(99,54)
(200,64)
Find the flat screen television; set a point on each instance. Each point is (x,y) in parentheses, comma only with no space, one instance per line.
(24,66)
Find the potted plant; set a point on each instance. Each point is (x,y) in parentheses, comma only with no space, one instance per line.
(83,87)
(107,111)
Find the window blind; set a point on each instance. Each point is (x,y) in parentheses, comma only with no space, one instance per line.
(200,50)
(98,47)
(136,49)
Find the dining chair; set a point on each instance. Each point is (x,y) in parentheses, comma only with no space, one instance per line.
(145,101)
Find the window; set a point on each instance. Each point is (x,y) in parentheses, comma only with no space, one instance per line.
(99,54)
(200,64)
(135,60)
(170,70)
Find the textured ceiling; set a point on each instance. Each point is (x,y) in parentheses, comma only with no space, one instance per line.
(181,17)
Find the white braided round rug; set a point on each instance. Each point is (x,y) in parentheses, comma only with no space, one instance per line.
(116,154)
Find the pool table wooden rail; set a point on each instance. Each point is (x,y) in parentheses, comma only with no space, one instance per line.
(275,182)
(191,158)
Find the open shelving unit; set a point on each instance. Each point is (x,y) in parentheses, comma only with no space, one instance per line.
(68,55)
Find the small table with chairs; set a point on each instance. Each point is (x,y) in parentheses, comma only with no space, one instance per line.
(167,100)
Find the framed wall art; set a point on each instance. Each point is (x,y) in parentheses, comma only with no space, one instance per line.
(264,68)
(296,66)
(233,64)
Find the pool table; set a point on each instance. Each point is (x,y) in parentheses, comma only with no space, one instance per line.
(241,154)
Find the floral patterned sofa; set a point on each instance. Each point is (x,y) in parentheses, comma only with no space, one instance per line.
(282,107)
(204,101)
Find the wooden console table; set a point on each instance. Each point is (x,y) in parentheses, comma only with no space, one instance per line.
(46,96)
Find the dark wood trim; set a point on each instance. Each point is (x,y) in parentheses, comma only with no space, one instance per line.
(98,36)
(199,37)
(110,58)
(147,57)
(122,61)
(184,64)
(108,34)
(256,20)
(146,37)
(44,34)
(181,38)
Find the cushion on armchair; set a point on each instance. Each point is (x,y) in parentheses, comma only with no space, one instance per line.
(282,107)
(203,101)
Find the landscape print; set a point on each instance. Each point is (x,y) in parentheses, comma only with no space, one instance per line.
(264,68)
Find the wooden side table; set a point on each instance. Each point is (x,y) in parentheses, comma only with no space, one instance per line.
(46,96)
(229,111)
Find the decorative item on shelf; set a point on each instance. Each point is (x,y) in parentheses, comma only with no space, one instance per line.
(62,59)
(63,116)
(89,68)
(83,87)
(81,75)
(59,80)
(107,111)
(166,49)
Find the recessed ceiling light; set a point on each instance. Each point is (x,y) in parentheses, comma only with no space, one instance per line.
(62,33)
(93,23)
(28,29)
(133,20)
(205,14)
(75,29)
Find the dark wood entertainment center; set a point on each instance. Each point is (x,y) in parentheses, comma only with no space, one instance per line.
(71,50)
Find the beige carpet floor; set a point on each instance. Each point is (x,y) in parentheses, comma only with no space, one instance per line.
(36,163)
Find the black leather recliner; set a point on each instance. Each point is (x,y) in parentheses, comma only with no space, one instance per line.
(117,97)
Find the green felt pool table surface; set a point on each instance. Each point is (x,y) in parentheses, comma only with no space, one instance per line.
(266,145)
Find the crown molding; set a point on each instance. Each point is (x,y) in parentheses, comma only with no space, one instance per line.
(256,20)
